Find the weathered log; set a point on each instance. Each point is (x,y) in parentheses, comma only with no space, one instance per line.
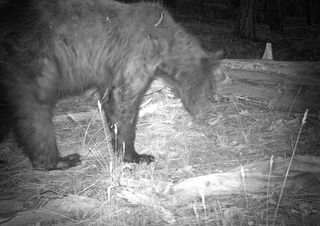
(303,176)
(275,84)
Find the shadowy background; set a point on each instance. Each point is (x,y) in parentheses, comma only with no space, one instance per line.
(242,27)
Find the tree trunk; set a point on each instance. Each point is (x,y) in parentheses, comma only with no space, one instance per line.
(288,86)
(308,13)
(245,27)
(274,16)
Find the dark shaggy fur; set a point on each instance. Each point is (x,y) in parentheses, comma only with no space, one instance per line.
(51,48)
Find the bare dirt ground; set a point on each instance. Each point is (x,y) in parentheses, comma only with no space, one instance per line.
(103,191)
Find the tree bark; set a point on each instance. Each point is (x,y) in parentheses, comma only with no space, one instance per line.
(280,85)
(274,16)
(308,13)
(245,27)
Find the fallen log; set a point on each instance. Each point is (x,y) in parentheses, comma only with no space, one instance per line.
(280,85)
(304,176)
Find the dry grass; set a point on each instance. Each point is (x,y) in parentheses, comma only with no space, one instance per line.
(233,134)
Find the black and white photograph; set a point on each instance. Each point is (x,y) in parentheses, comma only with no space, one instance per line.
(160,112)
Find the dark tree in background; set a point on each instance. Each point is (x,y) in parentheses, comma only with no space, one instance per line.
(245,27)
(274,15)
(308,13)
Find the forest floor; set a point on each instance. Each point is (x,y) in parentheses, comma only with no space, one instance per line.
(236,133)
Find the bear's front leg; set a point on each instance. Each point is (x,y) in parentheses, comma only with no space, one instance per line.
(121,107)
(36,135)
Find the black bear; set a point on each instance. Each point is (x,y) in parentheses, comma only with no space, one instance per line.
(53,48)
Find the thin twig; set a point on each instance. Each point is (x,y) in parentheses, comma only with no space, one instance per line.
(294,100)
(288,169)
(269,175)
